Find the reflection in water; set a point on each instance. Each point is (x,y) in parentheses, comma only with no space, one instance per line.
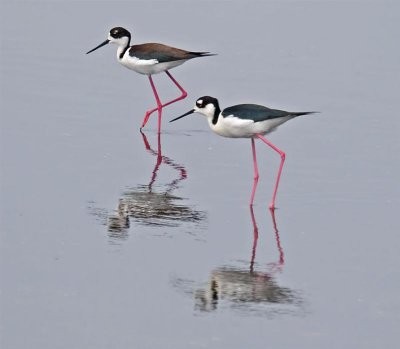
(245,289)
(148,206)
(152,209)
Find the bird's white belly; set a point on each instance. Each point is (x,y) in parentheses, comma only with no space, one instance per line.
(148,66)
(234,127)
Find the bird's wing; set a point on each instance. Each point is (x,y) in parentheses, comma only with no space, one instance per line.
(162,53)
(254,112)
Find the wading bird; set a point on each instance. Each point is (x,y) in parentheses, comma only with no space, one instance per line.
(150,59)
(245,121)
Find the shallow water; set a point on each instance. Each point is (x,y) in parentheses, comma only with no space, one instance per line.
(113,238)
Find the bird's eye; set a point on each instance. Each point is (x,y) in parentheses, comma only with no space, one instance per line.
(199,103)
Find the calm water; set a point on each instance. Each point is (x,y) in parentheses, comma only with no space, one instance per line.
(115,239)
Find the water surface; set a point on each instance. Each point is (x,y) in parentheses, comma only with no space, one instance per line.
(115,239)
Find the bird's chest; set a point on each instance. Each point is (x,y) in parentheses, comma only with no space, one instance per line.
(232,127)
(142,66)
(147,66)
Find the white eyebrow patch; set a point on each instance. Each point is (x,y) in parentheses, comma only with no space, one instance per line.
(199,102)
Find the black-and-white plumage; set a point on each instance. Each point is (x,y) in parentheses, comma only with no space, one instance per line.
(245,121)
(242,120)
(150,58)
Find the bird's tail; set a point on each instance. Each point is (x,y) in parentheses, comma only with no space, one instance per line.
(202,54)
(304,113)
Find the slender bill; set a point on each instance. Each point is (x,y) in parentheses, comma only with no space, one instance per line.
(102,44)
(180,117)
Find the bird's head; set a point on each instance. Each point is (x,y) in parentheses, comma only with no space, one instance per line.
(208,106)
(117,35)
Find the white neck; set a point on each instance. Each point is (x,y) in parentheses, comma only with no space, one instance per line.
(209,120)
(122,43)
(119,52)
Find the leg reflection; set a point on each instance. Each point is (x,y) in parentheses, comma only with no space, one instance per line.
(255,239)
(166,160)
(154,204)
(275,266)
(248,289)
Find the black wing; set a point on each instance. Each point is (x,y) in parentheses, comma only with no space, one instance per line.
(163,53)
(254,112)
(258,113)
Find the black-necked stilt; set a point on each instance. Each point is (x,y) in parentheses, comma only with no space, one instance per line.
(245,121)
(149,59)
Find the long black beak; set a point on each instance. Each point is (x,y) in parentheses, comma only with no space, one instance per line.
(180,117)
(102,44)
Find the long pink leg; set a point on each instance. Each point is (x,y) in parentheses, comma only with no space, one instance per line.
(182,96)
(159,105)
(253,147)
(283,156)
(183,92)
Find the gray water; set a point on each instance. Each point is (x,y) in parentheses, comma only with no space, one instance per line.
(111,240)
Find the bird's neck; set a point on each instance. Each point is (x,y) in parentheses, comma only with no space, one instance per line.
(215,117)
(213,120)
(122,49)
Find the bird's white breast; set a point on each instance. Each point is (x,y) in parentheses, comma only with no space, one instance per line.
(147,66)
(234,127)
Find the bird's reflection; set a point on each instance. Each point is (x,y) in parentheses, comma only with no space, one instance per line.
(246,289)
(151,204)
